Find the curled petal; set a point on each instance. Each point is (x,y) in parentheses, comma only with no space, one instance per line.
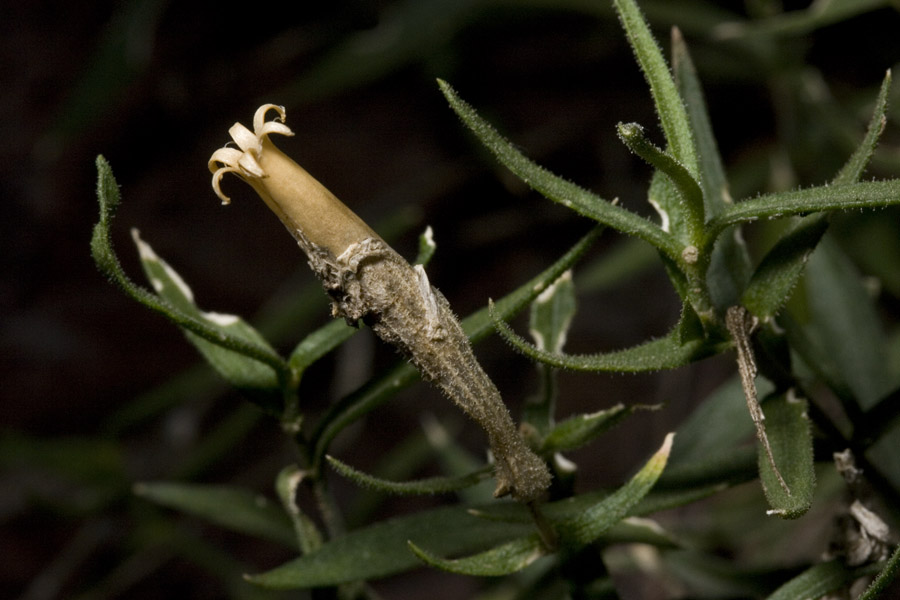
(244,138)
(259,117)
(270,127)
(227,157)
(217,182)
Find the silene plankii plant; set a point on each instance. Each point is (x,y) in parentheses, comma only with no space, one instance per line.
(730,305)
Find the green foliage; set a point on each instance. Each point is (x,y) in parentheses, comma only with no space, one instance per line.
(812,331)
(239,510)
(789,432)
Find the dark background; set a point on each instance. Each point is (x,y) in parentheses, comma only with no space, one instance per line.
(154,86)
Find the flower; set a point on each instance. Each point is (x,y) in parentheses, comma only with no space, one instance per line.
(368,281)
(308,209)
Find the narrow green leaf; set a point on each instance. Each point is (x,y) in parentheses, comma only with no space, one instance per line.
(665,499)
(503,560)
(728,467)
(885,577)
(788,430)
(712,171)
(640,530)
(382,549)
(577,530)
(859,160)
(777,275)
(844,327)
(234,508)
(556,188)
(431,485)
(718,424)
(815,582)
(685,205)
(729,267)
(427,247)
(477,326)
(662,353)
(241,371)
(319,343)
(106,260)
(781,268)
(669,106)
(587,526)
(865,194)
(309,539)
(581,429)
(551,314)
(549,321)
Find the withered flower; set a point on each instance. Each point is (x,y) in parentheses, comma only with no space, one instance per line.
(367,280)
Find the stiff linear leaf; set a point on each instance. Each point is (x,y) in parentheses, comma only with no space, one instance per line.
(431,485)
(865,194)
(844,327)
(669,105)
(309,538)
(729,267)
(662,353)
(844,193)
(709,575)
(427,247)
(640,530)
(674,192)
(781,268)
(108,263)
(234,508)
(551,314)
(505,559)
(556,188)
(575,531)
(381,549)
(588,525)
(549,321)
(477,326)
(816,581)
(319,343)
(712,172)
(718,425)
(778,273)
(859,160)
(885,577)
(728,467)
(243,372)
(581,429)
(656,500)
(788,429)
